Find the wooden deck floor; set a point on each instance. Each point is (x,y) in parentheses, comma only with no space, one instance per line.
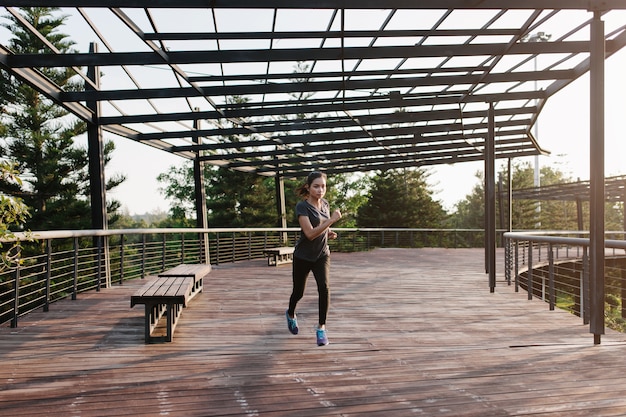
(413,333)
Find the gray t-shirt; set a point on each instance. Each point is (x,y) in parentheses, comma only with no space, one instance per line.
(312,250)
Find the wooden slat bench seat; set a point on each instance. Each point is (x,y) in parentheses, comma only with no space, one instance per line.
(195,271)
(165,297)
(278,256)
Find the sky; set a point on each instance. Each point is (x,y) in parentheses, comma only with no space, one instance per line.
(563,130)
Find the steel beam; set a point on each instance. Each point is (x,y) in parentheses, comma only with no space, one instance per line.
(596,175)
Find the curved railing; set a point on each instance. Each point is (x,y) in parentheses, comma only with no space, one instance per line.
(60,264)
(554,266)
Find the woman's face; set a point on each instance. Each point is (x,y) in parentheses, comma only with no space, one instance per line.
(317,189)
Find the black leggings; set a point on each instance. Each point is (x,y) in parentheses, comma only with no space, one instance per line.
(301,269)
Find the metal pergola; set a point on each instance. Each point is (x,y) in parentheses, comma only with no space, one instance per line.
(279,88)
(283,87)
(578,191)
(615,191)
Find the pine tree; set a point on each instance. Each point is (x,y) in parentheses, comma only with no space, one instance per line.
(240,199)
(401,198)
(40,135)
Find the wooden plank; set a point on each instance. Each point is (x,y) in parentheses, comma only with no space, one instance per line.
(162,289)
(196,271)
(413,332)
(191,270)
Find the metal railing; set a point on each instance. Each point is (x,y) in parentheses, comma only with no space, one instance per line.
(61,264)
(554,267)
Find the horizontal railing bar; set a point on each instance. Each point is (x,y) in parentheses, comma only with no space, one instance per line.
(552,237)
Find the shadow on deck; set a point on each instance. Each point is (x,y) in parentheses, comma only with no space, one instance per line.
(413,332)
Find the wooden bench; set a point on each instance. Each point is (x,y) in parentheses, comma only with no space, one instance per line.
(278,256)
(165,297)
(197,272)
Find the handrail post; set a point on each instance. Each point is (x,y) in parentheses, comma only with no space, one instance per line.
(75,271)
(250,243)
(551,276)
(506,262)
(516,265)
(623,291)
(16,296)
(217,245)
(234,248)
(99,266)
(529,274)
(584,290)
(163,251)
(121,258)
(143,256)
(46,305)
(182,248)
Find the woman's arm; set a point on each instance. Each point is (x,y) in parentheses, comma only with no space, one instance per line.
(312,232)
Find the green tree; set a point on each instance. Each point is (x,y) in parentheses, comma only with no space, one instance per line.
(347,192)
(470,212)
(545,214)
(40,137)
(177,185)
(240,199)
(233,198)
(13,213)
(401,198)
(551,214)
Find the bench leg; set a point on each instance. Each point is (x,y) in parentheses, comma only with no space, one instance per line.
(171,322)
(148,322)
(154,313)
(279,259)
(173,313)
(197,288)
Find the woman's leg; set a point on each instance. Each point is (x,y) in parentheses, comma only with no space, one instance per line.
(321,270)
(300,270)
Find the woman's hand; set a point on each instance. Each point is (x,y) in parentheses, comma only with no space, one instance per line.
(312,232)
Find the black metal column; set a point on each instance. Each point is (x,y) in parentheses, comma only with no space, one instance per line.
(200,199)
(596,146)
(279,183)
(97,181)
(510,194)
(95,153)
(490,201)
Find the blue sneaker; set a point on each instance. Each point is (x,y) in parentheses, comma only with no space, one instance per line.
(322,340)
(292,323)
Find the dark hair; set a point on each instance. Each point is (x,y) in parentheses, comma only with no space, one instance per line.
(303,190)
